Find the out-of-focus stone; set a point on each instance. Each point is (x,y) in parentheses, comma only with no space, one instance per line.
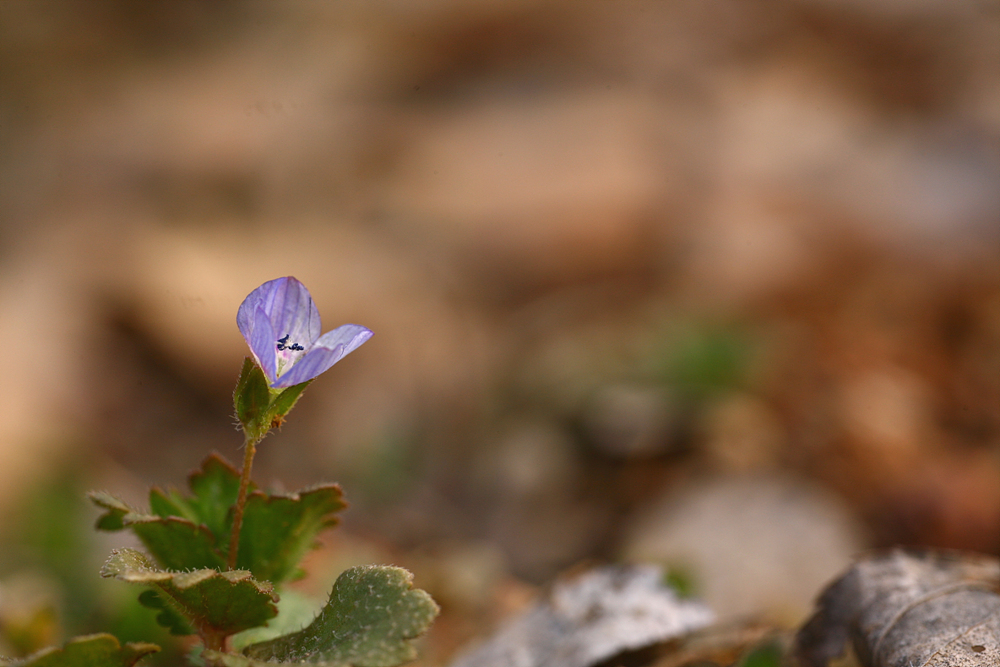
(753,545)
(629,420)
(531,459)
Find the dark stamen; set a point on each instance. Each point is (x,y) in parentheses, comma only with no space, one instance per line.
(284,345)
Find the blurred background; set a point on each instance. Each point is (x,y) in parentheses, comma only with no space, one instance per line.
(708,283)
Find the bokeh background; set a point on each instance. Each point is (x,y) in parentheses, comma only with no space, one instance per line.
(710,283)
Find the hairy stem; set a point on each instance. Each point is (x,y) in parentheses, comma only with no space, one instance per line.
(214,641)
(241,501)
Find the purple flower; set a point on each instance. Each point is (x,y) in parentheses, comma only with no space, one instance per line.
(281,325)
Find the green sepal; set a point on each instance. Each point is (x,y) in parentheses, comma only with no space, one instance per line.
(251,399)
(259,408)
(371,616)
(282,402)
(89,650)
(166,616)
(214,603)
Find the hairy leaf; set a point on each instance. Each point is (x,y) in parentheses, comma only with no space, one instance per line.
(183,532)
(371,615)
(116,510)
(192,531)
(295,611)
(213,493)
(177,544)
(90,650)
(167,616)
(278,529)
(214,603)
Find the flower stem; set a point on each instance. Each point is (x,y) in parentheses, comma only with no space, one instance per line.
(241,500)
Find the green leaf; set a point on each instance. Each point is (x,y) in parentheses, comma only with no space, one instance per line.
(217,659)
(214,603)
(767,654)
(192,531)
(372,613)
(168,503)
(295,611)
(116,510)
(214,489)
(184,532)
(167,616)
(251,399)
(177,544)
(90,650)
(708,360)
(279,529)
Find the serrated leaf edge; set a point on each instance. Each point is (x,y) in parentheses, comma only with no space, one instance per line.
(213,457)
(297,496)
(129,515)
(406,581)
(143,574)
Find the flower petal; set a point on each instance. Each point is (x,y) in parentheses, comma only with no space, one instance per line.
(248,309)
(314,362)
(292,310)
(262,343)
(328,350)
(351,336)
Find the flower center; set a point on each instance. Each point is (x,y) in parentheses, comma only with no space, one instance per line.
(286,350)
(283,344)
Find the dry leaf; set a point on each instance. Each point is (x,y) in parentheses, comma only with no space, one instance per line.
(590,618)
(909,609)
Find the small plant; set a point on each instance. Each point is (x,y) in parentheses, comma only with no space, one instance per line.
(217,555)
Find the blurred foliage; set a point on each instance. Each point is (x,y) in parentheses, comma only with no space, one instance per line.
(682,579)
(90,651)
(25,628)
(53,535)
(768,654)
(706,360)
